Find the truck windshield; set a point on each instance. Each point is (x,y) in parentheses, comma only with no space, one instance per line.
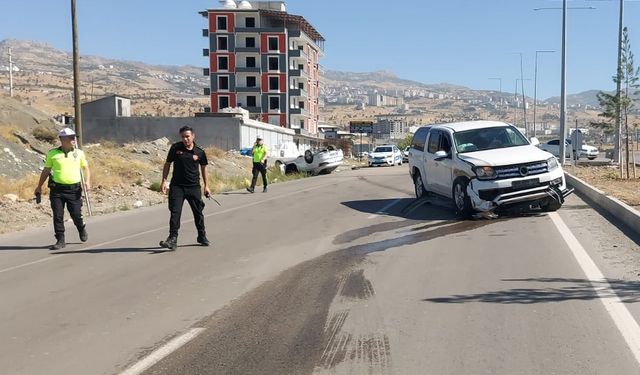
(488,139)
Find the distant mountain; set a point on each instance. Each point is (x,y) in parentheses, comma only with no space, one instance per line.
(384,77)
(44,78)
(583,98)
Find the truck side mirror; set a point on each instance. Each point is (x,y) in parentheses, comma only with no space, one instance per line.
(439,155)
(534,141)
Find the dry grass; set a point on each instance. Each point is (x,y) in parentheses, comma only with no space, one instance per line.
(606,179)
(23,188)
(214,152)
(111,170)
(7,132)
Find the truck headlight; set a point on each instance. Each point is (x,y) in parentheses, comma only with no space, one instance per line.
(552,163)
(485,173)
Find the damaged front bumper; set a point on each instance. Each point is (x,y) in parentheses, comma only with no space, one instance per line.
(489,195)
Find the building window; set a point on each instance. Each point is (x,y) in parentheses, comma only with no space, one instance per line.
(223,43)
(222,22)
(273,43)
(274,104)
(251,62)
(301,105)
(301,85)
(223,62)
(250,22)
(223,102)
(251,81)
(274,83)
(119,111)
(251,101)
(273,63)
(223,83)
(250,42)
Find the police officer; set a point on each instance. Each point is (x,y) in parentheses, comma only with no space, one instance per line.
(188,161)
(259,152)
(63,168)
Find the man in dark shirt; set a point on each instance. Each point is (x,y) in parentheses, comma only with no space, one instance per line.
(188,161)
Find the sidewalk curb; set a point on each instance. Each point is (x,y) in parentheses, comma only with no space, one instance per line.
(627,215)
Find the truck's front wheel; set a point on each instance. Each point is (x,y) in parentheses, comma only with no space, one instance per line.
(461,200)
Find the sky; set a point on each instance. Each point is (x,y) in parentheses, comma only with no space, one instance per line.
(463,42)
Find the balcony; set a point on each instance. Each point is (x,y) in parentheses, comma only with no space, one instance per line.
(253,109)
(248,49)
(298,112)
(298,53)
(256,30)
(298,92)
(247,89)
(245,69)
(295,72)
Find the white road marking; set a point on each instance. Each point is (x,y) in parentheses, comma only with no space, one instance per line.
(161,228)
(621,316)
(383,210)
(162,352)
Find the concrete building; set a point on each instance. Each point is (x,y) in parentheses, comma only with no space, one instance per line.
(233,130)
(265,60)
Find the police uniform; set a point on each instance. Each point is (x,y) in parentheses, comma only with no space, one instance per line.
(185,185)
(66,188)
(259,153)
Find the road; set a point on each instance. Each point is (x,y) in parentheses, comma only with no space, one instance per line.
(336,274)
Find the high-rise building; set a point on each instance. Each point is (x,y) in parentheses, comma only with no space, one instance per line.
(265,60)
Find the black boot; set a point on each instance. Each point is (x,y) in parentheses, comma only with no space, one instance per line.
(59,243)
(84,236)
(170,243)
(250,190)
(202,239)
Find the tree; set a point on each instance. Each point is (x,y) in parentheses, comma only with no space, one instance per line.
(614,106)
(405,142)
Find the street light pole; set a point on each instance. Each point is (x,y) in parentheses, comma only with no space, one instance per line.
(524,100)
(535,90)
(76,76)
(618,138)
(563,86)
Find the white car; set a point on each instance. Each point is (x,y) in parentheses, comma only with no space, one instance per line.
(385,155)
(589,152)
(553,147)
(485,166)
(324,161)
(405,155)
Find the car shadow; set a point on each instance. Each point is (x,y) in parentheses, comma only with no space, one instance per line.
(555,289)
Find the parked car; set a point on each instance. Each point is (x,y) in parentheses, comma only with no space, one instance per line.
(324,161)
(589,152)
(405,155)
(553,147)
(484,166)
(385,155)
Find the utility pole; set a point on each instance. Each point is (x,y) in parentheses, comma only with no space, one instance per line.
(535,90)
(76,76)
(617,154)
(563,86)
(10,75)
(524,100)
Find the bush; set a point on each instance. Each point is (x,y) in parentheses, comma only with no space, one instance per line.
(156,186)
(45,134)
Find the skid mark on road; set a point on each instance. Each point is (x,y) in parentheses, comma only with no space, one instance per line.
(356,286)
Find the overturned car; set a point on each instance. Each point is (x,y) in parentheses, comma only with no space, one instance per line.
(324,161)
(485,166)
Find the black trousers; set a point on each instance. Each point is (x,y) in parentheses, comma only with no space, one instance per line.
(177,196)
(262,169)
(72,198)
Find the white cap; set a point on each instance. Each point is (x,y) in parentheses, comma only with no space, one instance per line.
(67,132)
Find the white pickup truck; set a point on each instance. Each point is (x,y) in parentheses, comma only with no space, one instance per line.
(485,166)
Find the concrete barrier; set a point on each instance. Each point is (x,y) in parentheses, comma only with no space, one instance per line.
(628,215)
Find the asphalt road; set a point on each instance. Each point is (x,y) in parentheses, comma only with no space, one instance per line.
(336,274)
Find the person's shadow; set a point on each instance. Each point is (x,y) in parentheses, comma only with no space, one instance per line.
(28,247)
